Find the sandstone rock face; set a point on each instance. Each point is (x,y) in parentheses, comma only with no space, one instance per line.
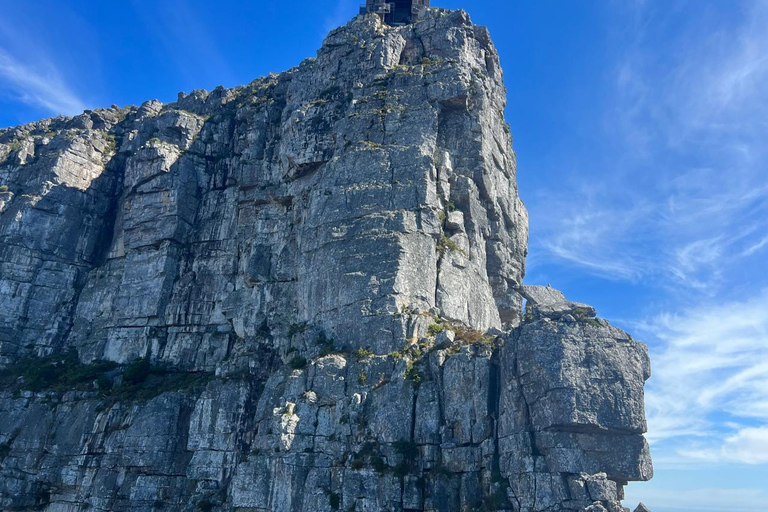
(323,273)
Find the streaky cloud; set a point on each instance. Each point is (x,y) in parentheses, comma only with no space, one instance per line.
(40,86)
(711,360)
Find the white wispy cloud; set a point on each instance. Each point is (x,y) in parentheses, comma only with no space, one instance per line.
(710,362)
(748,445)
(38,84)
(660,215)
(749,251)
(592,234)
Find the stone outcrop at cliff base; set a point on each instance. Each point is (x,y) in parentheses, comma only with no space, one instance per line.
(303,294)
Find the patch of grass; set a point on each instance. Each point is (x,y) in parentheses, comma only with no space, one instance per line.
(427,62)
(61,372)
(363,353)
(412,373)
(362,378)
(3,189)
(446,244)
(158,382)
(584,316)
(398,354)
(64,372)
(435,329)
(472,337)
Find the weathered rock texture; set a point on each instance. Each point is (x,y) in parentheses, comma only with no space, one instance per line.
(340,248)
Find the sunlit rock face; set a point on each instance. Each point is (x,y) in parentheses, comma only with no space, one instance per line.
(323,271)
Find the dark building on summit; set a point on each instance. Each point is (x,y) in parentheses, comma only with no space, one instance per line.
(396,12)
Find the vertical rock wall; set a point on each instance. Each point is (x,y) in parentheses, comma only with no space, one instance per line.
(323,271)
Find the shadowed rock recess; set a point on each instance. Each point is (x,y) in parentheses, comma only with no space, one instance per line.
(303,294)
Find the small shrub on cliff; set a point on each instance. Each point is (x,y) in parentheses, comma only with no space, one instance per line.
(3,188)
(204,505)
(138,371)
(378,464)
(401,469)
(584,316)
(435,329)
(327,346)
(471,337)
(446,244)
(408,449)
(5,450)
(60,372)
(104,383)
(334,500)
(363,353)
(297,328)
(298,363)
(64,372)
(412,373)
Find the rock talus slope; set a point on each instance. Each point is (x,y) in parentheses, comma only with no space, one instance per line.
(304,294)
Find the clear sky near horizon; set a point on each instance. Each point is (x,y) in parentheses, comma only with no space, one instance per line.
(641,131)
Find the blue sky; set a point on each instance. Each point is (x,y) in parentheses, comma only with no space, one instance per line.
(640,129)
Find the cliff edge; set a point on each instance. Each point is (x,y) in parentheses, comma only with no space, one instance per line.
(303,294)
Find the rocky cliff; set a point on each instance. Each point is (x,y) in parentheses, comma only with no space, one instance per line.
(303,294)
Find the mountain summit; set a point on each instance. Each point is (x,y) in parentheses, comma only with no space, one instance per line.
(303,294)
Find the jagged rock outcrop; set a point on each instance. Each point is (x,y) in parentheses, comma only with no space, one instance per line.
(301,294)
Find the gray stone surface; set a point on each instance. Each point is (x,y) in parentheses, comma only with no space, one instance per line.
(341,248)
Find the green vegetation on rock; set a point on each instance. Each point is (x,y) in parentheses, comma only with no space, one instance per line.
(64,372)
